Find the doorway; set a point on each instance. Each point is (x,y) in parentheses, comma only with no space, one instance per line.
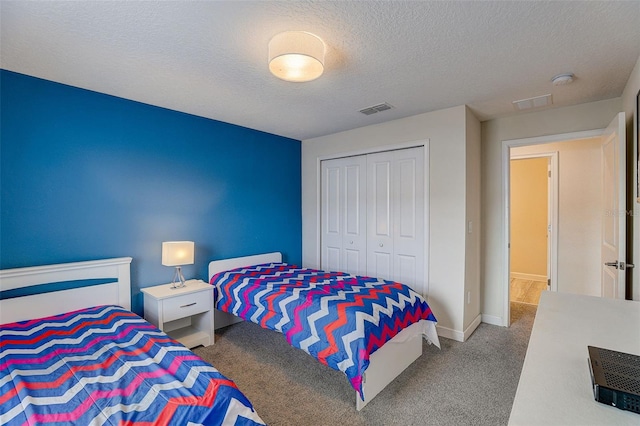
(532,184)
(574,256)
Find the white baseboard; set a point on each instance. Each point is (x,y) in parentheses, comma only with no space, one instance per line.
(472,327)
(492,319)
(450,333)
(530,277)
(457,335)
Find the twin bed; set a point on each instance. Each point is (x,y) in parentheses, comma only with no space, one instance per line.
(87,359)
(369,329)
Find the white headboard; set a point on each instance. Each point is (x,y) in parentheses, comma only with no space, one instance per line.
(22,308)
(216,266)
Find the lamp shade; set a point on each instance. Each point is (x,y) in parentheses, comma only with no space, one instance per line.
(176,253)
(296,56)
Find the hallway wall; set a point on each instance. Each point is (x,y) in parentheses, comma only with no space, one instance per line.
(529,218)
(589,116)
(579,213)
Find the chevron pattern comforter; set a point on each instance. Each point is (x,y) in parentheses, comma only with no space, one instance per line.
(339,319)
(106,365)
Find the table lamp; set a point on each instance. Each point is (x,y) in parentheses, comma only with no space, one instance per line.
(178,253)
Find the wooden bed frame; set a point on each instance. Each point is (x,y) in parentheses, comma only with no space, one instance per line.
(384,365)
(116,292)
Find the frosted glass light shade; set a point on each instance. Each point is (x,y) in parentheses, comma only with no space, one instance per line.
(176,253)
(296,56)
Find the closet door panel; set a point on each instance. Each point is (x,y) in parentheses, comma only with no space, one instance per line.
(354,240)
(409,237)
(331,221)
(373,216)
(406,198)
(381,198)
(406,270)
(331,259)
(380,215)
(343,226)
(380,266)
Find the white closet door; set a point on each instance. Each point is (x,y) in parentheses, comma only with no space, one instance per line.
(343,215)
(408,226)
(380,215)
(395,216)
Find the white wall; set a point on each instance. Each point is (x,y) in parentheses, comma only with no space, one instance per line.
(472,268)
(589,116)
(579,212)
(446,132)
(629,108)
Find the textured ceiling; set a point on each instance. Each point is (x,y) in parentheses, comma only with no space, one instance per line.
(209,58)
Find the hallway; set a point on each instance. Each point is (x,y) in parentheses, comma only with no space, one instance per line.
(526,291)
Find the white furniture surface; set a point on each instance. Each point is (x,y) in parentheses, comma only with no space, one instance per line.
(117,291)
(185,314)
(555,384)
(385,364)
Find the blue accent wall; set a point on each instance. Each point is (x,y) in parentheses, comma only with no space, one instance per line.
(88,176)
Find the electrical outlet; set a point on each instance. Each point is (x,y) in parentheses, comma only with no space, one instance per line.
(468,297)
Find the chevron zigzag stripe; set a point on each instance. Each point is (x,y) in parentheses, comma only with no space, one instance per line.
(82,359)
(22,329)
(106,365)
(338,318)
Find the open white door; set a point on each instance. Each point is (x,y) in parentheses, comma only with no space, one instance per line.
(614,209)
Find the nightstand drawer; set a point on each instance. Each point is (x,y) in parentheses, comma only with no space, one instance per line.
(186,305)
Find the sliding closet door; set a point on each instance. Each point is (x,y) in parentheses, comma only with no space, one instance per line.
(343,215)
(372,216)
(395,216)
(409,227)
(380,215)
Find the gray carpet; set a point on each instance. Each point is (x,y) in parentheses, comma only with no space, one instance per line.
(471,383)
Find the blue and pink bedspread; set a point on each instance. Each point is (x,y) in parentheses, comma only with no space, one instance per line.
(339,319)
(106,365)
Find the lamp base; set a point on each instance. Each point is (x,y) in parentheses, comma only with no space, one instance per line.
(178,279)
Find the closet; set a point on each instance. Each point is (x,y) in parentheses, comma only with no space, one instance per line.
(373,216)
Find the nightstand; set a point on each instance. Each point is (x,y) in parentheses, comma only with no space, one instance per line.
(185,314)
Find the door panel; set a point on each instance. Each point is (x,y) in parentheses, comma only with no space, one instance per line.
(353,188)
(330,216)
(380,266)
(397,199)
(613,240)
(409,236)
(379,215)
(373,216)
(407,270)
(332,259)
(343,225)
(407,198)
(380,198)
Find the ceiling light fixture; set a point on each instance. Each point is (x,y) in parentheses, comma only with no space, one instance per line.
(296,56)
(562,79)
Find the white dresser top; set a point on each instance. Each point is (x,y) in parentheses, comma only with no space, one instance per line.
(555,384)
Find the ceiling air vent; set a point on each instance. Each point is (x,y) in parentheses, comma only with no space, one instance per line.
(376,108)
(537,102)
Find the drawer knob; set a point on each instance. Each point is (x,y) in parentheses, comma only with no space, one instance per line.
(190,304)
